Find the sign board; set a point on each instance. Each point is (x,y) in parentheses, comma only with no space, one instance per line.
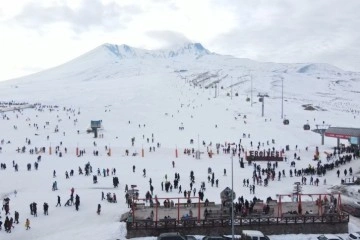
(336,135)
(354,140)
(96,124)
(264,155)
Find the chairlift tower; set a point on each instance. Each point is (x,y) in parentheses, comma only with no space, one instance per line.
(262,100)
(321,128)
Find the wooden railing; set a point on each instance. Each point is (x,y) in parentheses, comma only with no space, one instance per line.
(173,223)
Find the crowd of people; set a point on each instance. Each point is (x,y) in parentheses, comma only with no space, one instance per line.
(188,187)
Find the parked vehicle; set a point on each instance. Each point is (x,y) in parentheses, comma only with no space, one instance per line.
(190,237)
(253,235)
(352,209)
(354,236)
(171,236)
(213,238)
(329,237)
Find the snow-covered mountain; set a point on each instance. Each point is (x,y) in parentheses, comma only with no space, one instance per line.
(167,97)
(117,65)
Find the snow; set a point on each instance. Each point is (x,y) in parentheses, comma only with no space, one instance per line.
(153,93)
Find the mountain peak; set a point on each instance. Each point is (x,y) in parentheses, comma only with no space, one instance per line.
(126,51)
(190,48)
(120,51)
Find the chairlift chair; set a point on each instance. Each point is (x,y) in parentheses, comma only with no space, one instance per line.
(286,122)
(306,127)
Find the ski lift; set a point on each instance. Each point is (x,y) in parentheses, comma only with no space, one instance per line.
(228,94)
(261,99)
(306,127)
(286,122)
(236,94)
(248,99)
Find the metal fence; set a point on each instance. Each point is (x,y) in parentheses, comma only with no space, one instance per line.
(174,223)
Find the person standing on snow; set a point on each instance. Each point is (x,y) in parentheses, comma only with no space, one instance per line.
(46,208)
(98,209)
(58,201)
(77,202)
(16,215)
(27,224)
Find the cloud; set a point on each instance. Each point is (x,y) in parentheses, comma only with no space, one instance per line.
(110,16)
(168,38)
(300,31)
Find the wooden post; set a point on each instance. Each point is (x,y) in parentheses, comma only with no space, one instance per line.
(199,211)
(279,207)
(176,153)
(77,151)
(156,209)
(142,152)
(50,150)
(178,208)
(339,202)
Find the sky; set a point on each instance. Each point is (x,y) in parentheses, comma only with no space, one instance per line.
(36,35)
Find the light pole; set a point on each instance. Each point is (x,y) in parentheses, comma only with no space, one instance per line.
(231,87)
(251,90)
(215,89)
(282,97)
(232,196)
